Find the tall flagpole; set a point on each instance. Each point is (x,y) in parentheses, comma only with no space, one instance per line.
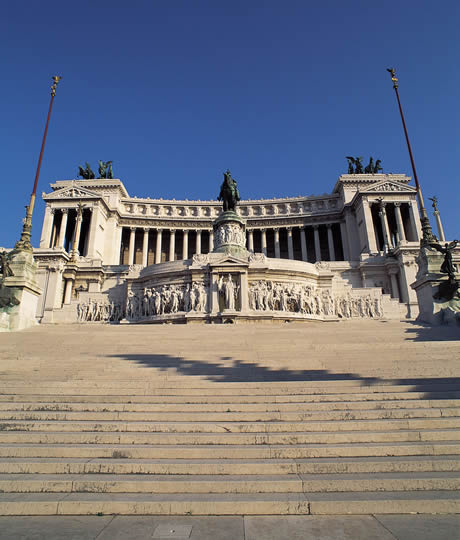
(24,243)
(427,233)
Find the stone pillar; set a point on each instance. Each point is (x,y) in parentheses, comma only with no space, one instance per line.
(45,239)
(79,219)
(277,244)
(343,235)
(68,291)
(415,220)
(145,247)
(352,236)
(394,282)
(244,292)
(93,230)
(399,223)
(63,227)
(317,244)
(211,240)
(132,240)
(290,244)
(198,242)
(437,216)
(264,241)
(251,240)
(185,245)
(172,244)
(385,228)
(303,244)
(330,242)
(53,229)
(369,226)
(158,246)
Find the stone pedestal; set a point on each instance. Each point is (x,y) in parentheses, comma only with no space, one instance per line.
(23,287)
(230,235)
(434,306)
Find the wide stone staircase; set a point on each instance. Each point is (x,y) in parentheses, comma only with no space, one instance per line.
(120,431)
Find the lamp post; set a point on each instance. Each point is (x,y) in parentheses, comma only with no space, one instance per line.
(427,233)
(23,244)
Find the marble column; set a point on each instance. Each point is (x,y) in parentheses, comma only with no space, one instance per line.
(344,237)
(78,221)
(385,228)
(158,246)
(63,227)
(45,239)
(211,240)
(369,226)
(53,229)
(439,226)
(251,240)
(185,245)
(399,223)
(330,242)
(303,244)
(68,291)
(415,220)
(317,243)
(93,230)
(145,247)
(264,241)
(198,242)
(290,244)
(277,243)
(132,240)
(172,244)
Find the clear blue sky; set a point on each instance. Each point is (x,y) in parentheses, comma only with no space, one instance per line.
(175,92)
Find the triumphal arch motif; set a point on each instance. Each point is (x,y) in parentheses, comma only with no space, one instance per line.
(105,256)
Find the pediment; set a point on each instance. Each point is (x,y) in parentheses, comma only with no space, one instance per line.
(72,192)
(388,186)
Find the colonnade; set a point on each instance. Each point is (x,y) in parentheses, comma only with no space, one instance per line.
(145,246)
(65,228)
(394,223)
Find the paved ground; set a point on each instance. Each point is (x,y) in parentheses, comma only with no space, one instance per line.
(377,527)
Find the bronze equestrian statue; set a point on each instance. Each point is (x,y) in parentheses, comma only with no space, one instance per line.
(229,194)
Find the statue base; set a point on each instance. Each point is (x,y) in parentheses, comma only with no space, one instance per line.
(438,296)
(230,235)
(21,292)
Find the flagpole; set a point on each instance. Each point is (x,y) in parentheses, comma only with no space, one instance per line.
(23,243)
(427,233)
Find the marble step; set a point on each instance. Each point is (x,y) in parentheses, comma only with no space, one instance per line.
(226,438)
(229,466)
(227,415)
(400,502)
(240,390)
(217,397)
(246,427)
(281,483)
(437,405)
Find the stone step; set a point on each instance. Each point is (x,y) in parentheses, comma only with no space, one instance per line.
(441,502)
(281,483)
(177,427)
(444,405)
(241,390)
(226,438)
(228,415)
(212,451)
(229,466)
(107,397)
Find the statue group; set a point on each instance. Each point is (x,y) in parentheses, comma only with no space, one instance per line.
(447,289)
(355,166)
(267,295)
(229,194)
(104,170)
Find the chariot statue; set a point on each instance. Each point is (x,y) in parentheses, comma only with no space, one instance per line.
(229,194)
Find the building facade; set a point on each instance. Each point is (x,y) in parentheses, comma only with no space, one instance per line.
(366,233)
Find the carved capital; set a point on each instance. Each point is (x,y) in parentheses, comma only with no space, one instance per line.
(398,204)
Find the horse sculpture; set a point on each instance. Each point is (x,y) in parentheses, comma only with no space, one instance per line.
(228,193)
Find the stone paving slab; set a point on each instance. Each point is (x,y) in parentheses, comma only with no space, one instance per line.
(370,527)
